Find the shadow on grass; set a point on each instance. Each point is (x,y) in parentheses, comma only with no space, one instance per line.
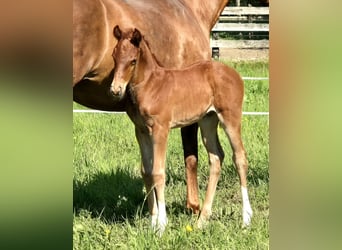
(114,197)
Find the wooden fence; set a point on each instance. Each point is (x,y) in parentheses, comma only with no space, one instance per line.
(241,20)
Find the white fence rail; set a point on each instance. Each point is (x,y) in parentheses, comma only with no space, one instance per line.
(257,11)
(242,27)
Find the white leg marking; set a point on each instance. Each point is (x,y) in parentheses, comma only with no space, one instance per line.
(152,201)
(247,212)
(154,218)
(162,218)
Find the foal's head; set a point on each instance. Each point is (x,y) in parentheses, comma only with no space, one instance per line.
(126,56)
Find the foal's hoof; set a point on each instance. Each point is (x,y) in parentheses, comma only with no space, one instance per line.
(159,230)
(247,217)
(203,219)
(201,223)
(159,226)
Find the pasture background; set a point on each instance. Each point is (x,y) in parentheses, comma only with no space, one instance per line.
(36,119)
(109,207)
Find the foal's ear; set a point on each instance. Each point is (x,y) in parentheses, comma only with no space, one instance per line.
(136,38)
(117,32)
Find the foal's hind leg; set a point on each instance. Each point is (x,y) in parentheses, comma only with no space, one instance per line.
(208,127)
(231,122)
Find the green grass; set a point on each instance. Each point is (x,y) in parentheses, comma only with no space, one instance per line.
(256,91)
(110,211)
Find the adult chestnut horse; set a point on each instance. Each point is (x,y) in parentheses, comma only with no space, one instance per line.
(178,31)
(205,92)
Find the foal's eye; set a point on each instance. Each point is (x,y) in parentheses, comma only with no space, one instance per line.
(133,62)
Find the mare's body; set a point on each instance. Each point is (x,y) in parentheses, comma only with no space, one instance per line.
(167,98)
(178,31)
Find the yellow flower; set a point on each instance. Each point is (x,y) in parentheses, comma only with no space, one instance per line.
(188,228)
(107,231)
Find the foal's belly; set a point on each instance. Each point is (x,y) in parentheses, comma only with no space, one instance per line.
(190,101)
(187,115)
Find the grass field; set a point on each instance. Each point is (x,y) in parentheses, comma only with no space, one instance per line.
(110,211)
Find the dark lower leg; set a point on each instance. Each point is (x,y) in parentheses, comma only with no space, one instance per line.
(190,149)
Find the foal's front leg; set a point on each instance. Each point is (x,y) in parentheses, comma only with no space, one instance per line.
(146,149)
(159,141)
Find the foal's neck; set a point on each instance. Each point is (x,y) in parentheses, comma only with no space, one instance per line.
(146,65)
(147,59)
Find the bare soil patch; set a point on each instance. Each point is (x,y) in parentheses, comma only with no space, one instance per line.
(244,54)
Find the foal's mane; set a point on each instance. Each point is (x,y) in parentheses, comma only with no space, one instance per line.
(143,40)
(129,35)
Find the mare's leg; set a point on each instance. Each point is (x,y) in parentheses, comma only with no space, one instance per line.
(159,140)
(146,150)
(231,121)
(189,140)
(208,126)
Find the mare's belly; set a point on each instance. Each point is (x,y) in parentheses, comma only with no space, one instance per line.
(97,96)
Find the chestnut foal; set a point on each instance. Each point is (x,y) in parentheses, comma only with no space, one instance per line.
(206,92)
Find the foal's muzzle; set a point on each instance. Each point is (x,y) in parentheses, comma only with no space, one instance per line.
(116,91)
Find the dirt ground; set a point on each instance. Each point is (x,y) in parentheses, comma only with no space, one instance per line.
(244,54)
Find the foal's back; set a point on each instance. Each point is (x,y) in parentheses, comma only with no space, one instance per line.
(208,78)
(185,95)
(190,93)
